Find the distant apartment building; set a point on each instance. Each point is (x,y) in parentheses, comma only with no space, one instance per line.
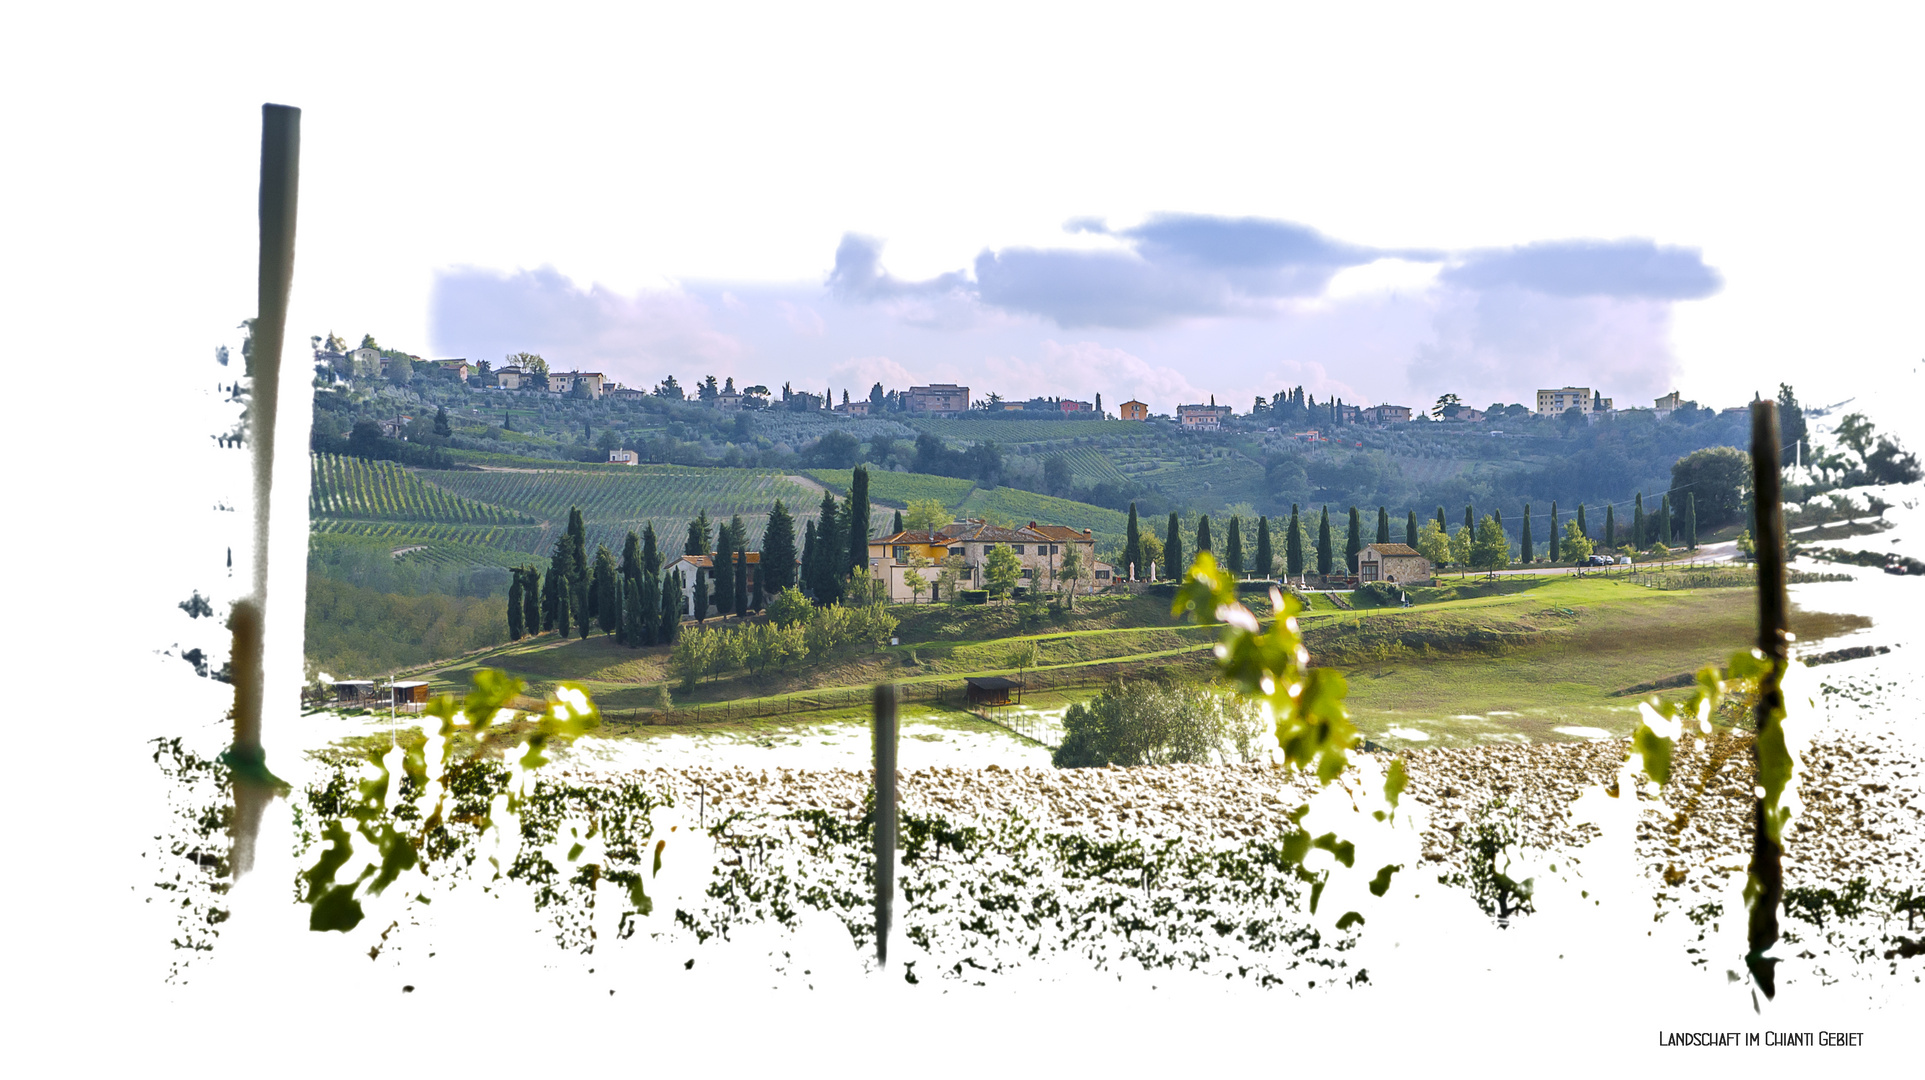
(1203,417)
(1582,398)
(1133,410)
(939,399)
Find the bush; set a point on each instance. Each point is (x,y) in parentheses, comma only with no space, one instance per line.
(974,596)
(1377,594)
(1143,722)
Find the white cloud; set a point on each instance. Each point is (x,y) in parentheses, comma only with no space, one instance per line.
(1383,276)
(801,318)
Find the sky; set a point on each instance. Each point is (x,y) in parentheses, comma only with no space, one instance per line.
(1063,200)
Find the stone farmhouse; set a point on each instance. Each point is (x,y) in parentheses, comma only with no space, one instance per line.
(1203,417)
(1395,564)
(689,565)
(1039,549)
(939,399)
(564,382)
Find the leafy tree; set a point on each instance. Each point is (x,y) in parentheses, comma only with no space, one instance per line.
(1325,547)
(1072,568)
(777,569)
(1001,571)
(723,568)
(1132,545)
(858,520)
(1266,558)
(916,582)
(1293,546)
(1576,546)
(1354,543)
(1556,533)
(1791,428)
(926,515)
(1433,544)
(1855,432)
(1720,475)
(1056,475)
(1203,534)
(1888,464)
(1491,550)
(1173,564)
(698,536)
(400,370)
(514,607)
(1526,549)
(441,426)
(1460,542)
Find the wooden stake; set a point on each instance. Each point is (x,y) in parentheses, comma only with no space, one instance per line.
(885,733)
(1767,855)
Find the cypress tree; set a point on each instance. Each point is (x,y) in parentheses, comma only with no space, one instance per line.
(564,600)
(1691,520)
(1132,546)
(1325,562)
(1233,547)
(1469,521)
(1442,525)
(1173,564)
(808,558)
(1410,528)
(1354,543)
(857,515)
(1293,547)
(1526,548)
(1203,534)
(674,597)
(1637,524)
(1266,558)
(777,570)
(531,600)
(1383,525)
(758,599)
(651,555)
(741,590)
(1610,527)
(556,586)
(701,595)
(1582,528)
(896,528)
(514,607)
(632,557)
(698,536)
(579,568)
(723,568)
(1498,516)
(633,634)
(1555,547)
(830,541)
(649,600)
(608,601)
(1664,520)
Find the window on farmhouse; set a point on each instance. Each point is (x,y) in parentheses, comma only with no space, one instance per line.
(1017,548)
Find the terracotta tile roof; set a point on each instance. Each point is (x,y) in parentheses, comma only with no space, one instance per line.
(907,537)
(707,562)
(1394,549)
(1059,533)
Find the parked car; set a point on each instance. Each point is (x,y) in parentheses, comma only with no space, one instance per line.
(1598,560)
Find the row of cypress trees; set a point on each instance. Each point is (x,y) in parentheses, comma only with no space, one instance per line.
(1656,529)
(640,605)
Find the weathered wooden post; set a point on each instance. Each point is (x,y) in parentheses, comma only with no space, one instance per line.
(1774,641)
(885,732)
(280,183)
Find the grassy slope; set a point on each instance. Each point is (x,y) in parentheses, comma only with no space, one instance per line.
(1519,663)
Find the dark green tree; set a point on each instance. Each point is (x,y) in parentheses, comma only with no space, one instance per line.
(831,560)
(701,595)
(1582,526)
(648,600)
(1353,544)
(856,514)
(651,553)
(1691,520)
(674,596)
(808,557)
(895,529)
(1525,547)
(698,536)
(1266,557)
(441,427)
(1638,541)
(1203,534)
(1383,525)
(741,589)
(1132,546)
(1442,525)
(1664,520)
(724,571)
(1410,528)
(1470,522)
(531,600)
(777,569)
(1610,527)
(1554,532)
(1233,547)
(1293,546)
(557,588)
(634,632)
(608,601)
(1791,428)
(1326,548)
(1173,564)
(514,606)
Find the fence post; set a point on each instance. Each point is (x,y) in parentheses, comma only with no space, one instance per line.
(885,870)
(1767,854)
